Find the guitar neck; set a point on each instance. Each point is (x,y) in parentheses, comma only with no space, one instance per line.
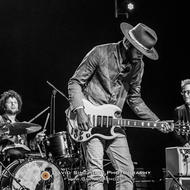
(137,123)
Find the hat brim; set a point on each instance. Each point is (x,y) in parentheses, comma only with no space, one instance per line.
(151,54)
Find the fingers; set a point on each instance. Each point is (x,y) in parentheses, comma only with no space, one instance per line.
(82,120)
(187,145)
(166,128)
(163,130)
(83,126)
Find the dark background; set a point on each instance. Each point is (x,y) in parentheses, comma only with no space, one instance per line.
(44,40)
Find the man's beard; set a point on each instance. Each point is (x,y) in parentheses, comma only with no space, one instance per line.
(10,112)
(135,60)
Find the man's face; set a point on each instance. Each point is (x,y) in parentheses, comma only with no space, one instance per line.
(11,105)
(135,54)
(186,94)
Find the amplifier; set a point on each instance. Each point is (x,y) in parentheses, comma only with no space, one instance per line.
(178,161)
(170,183)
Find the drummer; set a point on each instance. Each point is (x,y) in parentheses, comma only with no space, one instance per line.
(10,105)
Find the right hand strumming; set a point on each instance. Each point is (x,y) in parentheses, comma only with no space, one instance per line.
(82,120)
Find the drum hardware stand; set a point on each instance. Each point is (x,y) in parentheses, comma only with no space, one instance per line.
(176,181)
(71,143)
(43,131)
(80,172)
(17,180)
(75,179)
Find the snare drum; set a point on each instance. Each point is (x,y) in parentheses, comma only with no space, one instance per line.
(34,174)
(57,146)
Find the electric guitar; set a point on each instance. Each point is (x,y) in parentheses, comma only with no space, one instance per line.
(105,122)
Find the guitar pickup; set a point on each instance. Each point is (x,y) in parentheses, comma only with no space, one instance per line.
(99,121)
(110,119)
(105,121)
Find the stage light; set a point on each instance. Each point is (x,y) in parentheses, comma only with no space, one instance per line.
(130,6)
(124,7)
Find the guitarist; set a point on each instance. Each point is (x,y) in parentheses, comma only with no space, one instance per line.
(112,74)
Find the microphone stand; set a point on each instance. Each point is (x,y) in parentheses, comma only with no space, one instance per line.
(52,119)
(58,90)
(52,112)
(52,107)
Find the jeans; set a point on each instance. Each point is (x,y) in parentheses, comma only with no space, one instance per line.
(120,157)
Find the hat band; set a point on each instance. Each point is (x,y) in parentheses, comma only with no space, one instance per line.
(133,37)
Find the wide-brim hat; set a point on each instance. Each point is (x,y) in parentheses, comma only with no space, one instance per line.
(141,37)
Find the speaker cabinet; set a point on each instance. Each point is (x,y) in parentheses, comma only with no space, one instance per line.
(178,161)
(170,183)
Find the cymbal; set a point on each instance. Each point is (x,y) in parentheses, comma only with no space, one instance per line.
(18,128)
(17,146)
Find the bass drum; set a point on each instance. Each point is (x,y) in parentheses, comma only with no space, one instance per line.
(34,174)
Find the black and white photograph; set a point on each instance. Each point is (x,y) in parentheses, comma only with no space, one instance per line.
(94,95)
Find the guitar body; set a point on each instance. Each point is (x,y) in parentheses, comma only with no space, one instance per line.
(101,117)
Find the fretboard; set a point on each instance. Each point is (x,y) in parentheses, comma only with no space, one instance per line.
(137,123)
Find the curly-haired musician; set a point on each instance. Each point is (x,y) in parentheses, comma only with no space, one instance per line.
(12,147)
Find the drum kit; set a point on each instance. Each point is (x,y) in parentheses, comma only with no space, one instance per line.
(57,165)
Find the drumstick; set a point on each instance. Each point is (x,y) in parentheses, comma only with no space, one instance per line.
(40,150)
(38,115)
(47,118)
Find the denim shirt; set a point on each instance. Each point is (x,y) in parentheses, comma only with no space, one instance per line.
(102,78)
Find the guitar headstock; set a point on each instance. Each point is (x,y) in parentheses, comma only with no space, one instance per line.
(182,128)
